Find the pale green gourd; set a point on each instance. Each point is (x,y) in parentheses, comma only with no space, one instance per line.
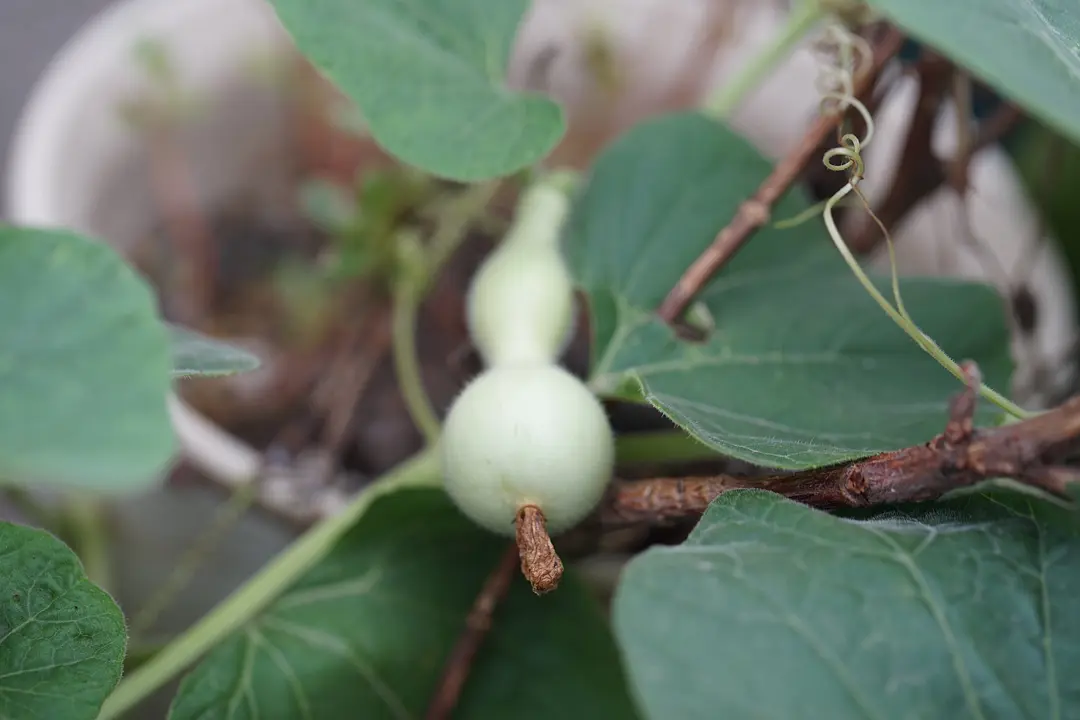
(520,305)
(526,431)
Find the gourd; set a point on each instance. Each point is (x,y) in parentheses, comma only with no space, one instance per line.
(526,432)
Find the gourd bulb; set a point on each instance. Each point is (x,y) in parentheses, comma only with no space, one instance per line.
(526,434)
(520,306)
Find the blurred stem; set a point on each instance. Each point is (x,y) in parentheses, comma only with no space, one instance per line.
(804,15)
(406,363)
(83,527)
(454,224)
(225,519)
(419,267)
(258,592)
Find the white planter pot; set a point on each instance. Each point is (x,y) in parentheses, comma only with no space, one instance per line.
(77,164)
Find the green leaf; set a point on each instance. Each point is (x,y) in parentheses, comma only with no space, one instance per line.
(84,365)
(370,627)
(1040,68)
(429,79)
(963,609)
(802,368)
(196,355)
(62,638)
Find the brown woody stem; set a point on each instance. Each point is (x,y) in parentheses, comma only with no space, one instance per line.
(478,624)
(960,457)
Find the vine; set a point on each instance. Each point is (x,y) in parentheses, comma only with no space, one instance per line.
(836,81)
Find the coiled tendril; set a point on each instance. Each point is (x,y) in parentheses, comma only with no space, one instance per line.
(844,54)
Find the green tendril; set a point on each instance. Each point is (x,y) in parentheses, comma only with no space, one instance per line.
(836,83)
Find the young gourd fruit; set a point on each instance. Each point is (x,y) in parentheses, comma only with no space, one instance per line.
(526,434)
(537,325)
(520,306)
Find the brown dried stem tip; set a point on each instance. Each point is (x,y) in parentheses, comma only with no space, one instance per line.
(962,455)
(540,564)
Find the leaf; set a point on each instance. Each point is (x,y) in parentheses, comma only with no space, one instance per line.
(961,609)
(196,355)
(84,365)
(429,79)
(802,368)
(369,628)
(62,638)
(1040,70)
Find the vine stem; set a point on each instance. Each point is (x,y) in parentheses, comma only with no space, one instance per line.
(960,456)
(224,520)
(801,21)
(848,157)
(406,362)
(454,223)
(409,288)
(85,527)
(257,593)
(901,318)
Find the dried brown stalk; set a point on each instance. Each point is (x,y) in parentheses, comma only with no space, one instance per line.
(477,626)
(754,212)
(960,457)
(540,564)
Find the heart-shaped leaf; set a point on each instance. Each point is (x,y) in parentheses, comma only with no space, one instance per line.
(196,355)
(1040,67)
(62,638)
(84,365)
(962,609)
(801,368)
(429,78)
(370,627)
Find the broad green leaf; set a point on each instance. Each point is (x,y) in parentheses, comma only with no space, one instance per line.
(802,368)
(369,628)
(963,609)
(62,638)
(84,365)
(1029,50)
(195,355)
(429,79)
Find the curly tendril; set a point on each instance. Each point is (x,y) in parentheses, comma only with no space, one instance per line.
(844,54)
